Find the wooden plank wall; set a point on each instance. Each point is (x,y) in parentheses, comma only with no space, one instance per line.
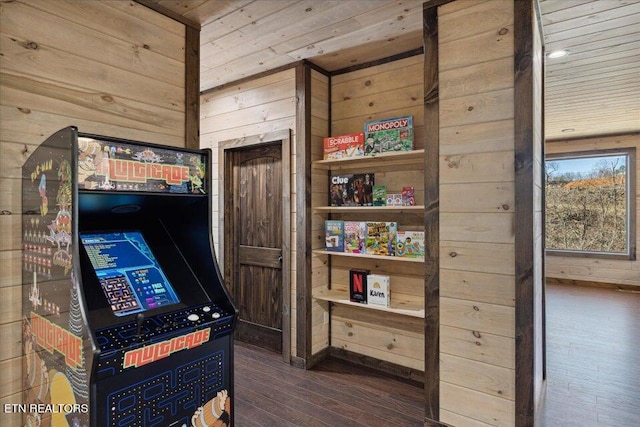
(111,68)
(252,107)
(381,91)
(477,265)
(622,272)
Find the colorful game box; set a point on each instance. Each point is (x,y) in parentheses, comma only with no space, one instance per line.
(351,190)
(394,199)
(381,238)
(334,235)
(378,292)
(358,285)
(408,196)
(395,134)
(344,146)
(355,235)
(379,195)
(410,244)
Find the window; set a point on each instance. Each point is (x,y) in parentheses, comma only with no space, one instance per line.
(590,204)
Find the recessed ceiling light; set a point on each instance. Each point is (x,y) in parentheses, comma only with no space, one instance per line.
(555,54)
(568,130)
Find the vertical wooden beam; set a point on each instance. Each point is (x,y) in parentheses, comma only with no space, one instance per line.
(431,217)
(286,247)
(192,87)
(543,274)
(524,211)
(303,212)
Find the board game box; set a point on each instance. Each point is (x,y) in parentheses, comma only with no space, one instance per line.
(381,238)
(408,196)
(395,134)
(379,195)
(394,199)
(358,285)
(351,190)
(344,146)
(410,244)
(355,235)
(378,292)
(334,235)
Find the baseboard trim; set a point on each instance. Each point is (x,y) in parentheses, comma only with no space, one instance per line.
(300,363)
(428,422)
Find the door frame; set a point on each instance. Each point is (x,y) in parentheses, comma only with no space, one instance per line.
(226,231)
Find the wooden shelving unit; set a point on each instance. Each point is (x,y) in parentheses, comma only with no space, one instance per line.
(406,307)
(367,209)
(379,257)
(374,335)
(402,158)
(377,332)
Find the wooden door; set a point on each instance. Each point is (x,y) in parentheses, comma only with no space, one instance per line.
(256,243)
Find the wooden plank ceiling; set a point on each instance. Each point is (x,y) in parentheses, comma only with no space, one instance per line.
(595,90)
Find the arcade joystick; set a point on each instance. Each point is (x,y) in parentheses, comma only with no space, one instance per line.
(139,322)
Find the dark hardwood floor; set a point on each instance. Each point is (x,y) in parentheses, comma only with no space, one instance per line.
(334,393)
(593,375)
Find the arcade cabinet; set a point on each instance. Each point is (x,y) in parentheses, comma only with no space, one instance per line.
(127,321)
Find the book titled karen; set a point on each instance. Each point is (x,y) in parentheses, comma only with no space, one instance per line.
(378,290)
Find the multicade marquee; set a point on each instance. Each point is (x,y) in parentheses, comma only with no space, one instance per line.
(127,321)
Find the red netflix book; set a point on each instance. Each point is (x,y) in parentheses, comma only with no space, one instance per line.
(358,285)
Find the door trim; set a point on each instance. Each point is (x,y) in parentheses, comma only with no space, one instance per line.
(225,154)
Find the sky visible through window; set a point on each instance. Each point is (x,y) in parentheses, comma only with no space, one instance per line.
(581,165)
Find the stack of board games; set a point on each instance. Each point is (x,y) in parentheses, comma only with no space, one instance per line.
(355,235)
(394,134)
(358,285)
(344,146)
(334,235)
(381,238)
(378,292)
(351,190)
(410,244)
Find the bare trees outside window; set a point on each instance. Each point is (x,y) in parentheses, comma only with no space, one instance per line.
(588,203)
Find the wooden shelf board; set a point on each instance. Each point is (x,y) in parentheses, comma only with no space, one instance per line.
(405,308)
(415,157)
(380,257)
(351,209)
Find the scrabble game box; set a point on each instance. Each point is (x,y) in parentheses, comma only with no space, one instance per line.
(344,146)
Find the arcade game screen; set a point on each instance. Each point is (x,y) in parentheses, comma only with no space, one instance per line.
(128,272)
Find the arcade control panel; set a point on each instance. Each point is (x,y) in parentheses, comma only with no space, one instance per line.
(153,337)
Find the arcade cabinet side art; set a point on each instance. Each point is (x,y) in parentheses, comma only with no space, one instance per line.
(55,340)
